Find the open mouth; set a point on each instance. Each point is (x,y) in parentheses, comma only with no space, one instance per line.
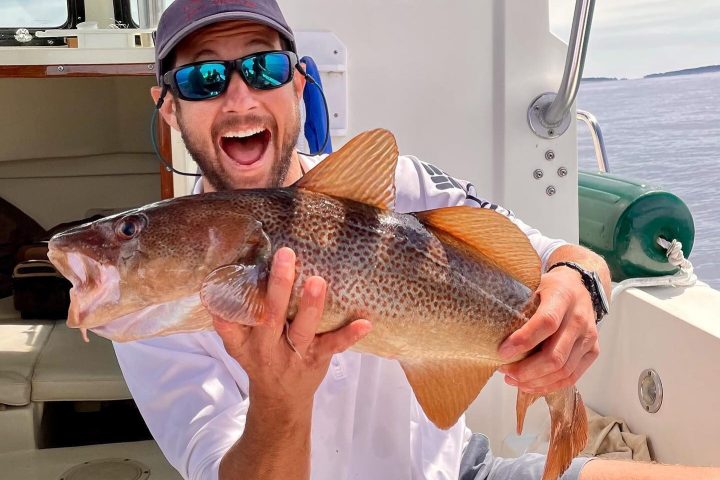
(94,285)
(245,147)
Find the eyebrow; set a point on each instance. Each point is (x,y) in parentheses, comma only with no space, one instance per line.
(205,51)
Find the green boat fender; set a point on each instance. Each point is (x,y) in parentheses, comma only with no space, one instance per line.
(622,219)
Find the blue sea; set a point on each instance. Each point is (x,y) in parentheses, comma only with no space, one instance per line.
(666,132)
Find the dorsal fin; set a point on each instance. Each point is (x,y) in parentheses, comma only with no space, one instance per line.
(492,235)
(362,170)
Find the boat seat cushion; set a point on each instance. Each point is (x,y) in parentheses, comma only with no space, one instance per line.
(20,345)
(71,370)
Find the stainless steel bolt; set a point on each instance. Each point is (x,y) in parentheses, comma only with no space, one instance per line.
(151,66)
(60,68)
(550,155)
(538,174)
(551,191)
(562,171)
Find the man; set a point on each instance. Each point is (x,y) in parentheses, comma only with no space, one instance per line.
(239,403)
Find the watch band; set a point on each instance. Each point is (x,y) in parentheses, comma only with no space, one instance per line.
(591,285)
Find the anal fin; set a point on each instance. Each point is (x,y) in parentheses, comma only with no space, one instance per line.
(445,389)
(568,431)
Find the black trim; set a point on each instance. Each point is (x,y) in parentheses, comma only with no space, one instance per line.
(593,286)
(123,13)
(76,14)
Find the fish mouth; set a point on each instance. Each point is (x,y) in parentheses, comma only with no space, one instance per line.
(94,285)
(246,146)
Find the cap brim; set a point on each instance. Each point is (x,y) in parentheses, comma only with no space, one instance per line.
(220,17)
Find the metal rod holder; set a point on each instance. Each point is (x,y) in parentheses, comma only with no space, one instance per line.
(549,114)
(598,140)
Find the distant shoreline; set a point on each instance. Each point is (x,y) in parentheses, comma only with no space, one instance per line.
(674,73)
(687,71)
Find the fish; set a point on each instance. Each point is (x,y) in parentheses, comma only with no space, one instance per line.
(443,288)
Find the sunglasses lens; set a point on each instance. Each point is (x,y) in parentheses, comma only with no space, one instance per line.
(267,71)
(197,82)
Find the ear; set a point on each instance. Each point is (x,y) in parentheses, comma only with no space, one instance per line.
(168,108)
(299,81)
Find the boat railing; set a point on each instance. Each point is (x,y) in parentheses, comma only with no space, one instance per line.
(549,114)
(597,138)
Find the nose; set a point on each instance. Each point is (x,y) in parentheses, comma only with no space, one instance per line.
(239,97)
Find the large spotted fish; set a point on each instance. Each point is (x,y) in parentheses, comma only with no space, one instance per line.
(443,288)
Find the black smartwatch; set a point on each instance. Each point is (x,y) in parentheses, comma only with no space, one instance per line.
(592,282)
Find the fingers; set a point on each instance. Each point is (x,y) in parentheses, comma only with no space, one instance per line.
(340,340)
(306,322)
(583,353)
(545,322)
(277,297)
(564,357)
(551,386)
(557,351)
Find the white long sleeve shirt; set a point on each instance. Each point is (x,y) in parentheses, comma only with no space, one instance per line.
(366,422)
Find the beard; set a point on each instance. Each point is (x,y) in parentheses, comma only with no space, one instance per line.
(208,157)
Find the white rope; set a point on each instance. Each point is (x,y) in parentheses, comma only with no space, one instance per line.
(683,278)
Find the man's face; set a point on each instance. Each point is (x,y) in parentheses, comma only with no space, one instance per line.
(244,138)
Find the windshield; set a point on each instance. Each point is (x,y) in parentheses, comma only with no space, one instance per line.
(33,14)
(134,9)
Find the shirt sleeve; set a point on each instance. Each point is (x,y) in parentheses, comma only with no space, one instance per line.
(421,186)
(189,399)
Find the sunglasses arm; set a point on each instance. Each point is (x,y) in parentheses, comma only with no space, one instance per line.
(161,100)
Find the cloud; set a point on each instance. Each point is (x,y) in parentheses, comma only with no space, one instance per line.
(630,39)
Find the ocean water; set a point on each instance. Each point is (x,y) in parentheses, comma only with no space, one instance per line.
(666,132)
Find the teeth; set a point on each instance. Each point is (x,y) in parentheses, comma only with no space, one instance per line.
(244,133)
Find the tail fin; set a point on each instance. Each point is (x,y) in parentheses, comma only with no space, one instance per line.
(569,427)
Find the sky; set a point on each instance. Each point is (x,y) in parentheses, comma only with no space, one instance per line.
(632,38)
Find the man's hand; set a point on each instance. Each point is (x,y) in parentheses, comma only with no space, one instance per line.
(276,441)
(563,326)
(279,376)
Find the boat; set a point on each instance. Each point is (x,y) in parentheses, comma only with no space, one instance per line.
(458,88)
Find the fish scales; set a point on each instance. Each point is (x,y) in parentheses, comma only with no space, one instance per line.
(390,269)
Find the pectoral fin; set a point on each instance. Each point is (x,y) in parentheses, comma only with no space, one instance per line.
(568,431)
(235,293)
(445,389)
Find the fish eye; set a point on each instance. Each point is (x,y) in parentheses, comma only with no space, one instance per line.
(129,227)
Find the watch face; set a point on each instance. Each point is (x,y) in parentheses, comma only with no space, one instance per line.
(601,292)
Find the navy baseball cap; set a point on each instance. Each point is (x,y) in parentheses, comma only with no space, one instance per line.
(184,17)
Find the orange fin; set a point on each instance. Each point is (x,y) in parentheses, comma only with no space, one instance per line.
(235,293)
(445,389)
(568,431)
(362,170)
(490,234)
(524,400)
